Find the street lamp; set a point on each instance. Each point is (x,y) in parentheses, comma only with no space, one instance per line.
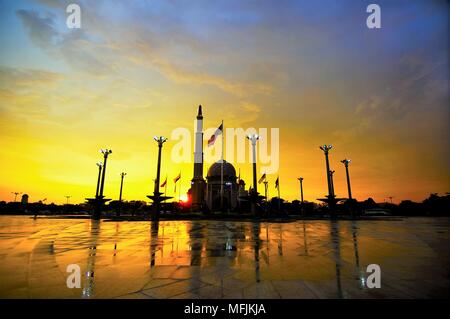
(105,153)
(332,182)
(67,199)
(160,140)
(346,162)
(100,165)
(15,195)
(301,188)
(122,175)
(326,149)
(156,194)
(253,138)
(99,199)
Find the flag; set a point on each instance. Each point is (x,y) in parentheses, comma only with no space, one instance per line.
(175,180)
(213,138)
(277,183)
(262,179)
(165,183)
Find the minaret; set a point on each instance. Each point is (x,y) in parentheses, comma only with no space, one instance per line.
(198,182)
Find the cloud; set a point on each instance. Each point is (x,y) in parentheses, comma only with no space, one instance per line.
(75,47)
(40,28)
(407,91)
(19,78)
(181,75)
(24,93)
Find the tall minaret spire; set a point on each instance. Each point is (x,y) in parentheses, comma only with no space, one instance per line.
(198,182)
(198,153)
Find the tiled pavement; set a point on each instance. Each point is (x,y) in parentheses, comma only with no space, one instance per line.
(222,259)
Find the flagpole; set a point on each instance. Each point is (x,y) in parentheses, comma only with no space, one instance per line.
(179,190)
(165,188)
(279,198)
(221,171)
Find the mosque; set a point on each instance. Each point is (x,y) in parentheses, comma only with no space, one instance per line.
(206,194)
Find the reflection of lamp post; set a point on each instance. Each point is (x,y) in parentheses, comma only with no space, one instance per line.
(326,149)
(100,165)
(346,162)
(160,140)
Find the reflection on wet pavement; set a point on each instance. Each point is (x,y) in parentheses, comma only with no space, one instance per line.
(223,259)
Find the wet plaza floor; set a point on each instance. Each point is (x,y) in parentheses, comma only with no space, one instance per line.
(224,259)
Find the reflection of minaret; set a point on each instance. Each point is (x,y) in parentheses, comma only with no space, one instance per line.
(197,242)
(198,182)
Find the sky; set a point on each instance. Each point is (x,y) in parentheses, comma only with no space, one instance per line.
(136,69)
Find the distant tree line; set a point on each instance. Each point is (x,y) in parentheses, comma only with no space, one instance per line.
(434,205)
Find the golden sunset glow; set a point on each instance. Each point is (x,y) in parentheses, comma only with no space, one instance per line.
(131,73)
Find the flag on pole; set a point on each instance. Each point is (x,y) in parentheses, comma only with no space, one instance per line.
(262,179)
(165,183)
(213,138)
(175,180)
(277,183)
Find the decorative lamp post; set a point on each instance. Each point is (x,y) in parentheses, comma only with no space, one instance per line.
(346,162)
(330,197)
(122,175)
(301,189)
(105,153)
(253,138)
(100,165)
(100,200)
(156,194)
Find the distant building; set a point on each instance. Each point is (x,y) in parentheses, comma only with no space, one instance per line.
(206,194)
(24,199)
(197,191)
(230,186)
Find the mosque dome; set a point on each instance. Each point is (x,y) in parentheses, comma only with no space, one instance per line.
(228,170)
